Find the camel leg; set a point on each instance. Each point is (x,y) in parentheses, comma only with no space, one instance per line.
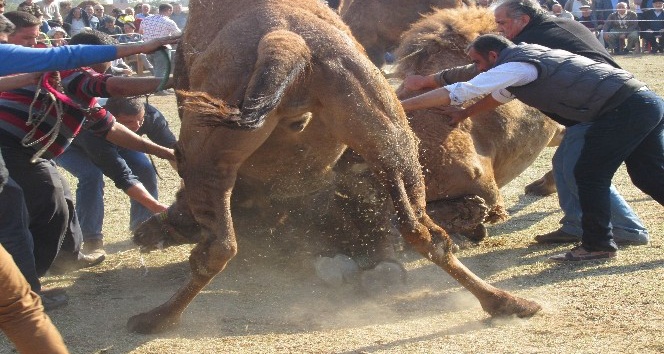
(209,182)
(543,186)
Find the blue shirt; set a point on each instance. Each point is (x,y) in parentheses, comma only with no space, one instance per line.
(17,59)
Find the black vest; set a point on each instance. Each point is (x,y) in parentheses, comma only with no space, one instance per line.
(570,86)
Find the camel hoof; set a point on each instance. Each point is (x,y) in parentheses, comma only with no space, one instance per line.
(150,234)
(152,322)
(505,305)
(382,277)
(336,271)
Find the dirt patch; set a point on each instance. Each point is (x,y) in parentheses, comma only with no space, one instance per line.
(269,303)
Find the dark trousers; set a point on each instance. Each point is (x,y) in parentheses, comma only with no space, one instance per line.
(53,223)
(633,133)
(15,236)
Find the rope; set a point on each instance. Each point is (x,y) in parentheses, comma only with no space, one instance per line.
(35,119)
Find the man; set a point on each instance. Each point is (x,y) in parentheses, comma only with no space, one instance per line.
(89,156)
(145,12)
(558,11)
(626,121)
(588,19)
(27,28)
(29,142)
(621,26)
(51,11)
(94,20)
(653,26)
(178,16)
(159,26)
(525,21)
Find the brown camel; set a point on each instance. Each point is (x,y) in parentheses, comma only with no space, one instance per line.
(480,155)
(378,24)
(276,90)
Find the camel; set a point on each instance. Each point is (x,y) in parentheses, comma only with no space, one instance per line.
(480,155)
(378,24)
(275,91)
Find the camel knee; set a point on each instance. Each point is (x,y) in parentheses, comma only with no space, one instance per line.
(207,260)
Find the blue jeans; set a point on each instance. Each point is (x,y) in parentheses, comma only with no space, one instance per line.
(633,133)
(90,188)
(626,225)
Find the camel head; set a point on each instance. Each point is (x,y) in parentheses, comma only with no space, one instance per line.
(439,40)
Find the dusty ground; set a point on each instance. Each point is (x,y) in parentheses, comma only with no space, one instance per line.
(607,307)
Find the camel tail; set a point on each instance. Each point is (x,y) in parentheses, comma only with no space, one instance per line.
(283,58)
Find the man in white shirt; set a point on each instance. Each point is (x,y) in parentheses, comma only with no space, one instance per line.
(610,100)
(156,26)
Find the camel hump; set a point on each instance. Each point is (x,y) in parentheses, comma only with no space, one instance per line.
(283,58)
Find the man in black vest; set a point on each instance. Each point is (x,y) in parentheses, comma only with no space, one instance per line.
(626,121)
(525,21)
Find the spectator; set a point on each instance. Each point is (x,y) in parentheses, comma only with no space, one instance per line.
(27,28)
(78,20)
(602,9)
(609,100)
(588,19)
(58,36)
(108,26)
(30,5)
(574,6)
(36,12)
(94,20)
(51,11)
(130,36)
(558,11)
(157,26)
(129,15)
(144,11)
(99,14)
(65,7)
(178,16)
(525,21)
(89,156)
(2,7)
(654,27)
(118,15)
(28,160)
(620,26)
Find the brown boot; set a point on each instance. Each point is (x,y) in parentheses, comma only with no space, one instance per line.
(93,246)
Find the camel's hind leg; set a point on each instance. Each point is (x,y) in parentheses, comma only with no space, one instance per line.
(378,131)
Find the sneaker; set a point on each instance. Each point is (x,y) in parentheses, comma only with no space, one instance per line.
(53,298)
(558,236)
(578,254)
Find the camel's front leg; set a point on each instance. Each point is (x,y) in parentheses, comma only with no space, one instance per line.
(416,227)
(208,195)
(207,259)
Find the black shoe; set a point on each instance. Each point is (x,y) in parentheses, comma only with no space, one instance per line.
(60,267)
(53,298)
(557,236)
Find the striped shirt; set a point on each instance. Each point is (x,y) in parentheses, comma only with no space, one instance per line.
(82,86)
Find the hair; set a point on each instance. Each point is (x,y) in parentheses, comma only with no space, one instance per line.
(6,26)
(22,19)
(92,37)
(518,8)
(33,10)
(489,43)
(165,7)
(128,106)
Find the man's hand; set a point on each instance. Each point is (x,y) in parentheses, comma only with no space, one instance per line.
(414,83)
(456,114)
